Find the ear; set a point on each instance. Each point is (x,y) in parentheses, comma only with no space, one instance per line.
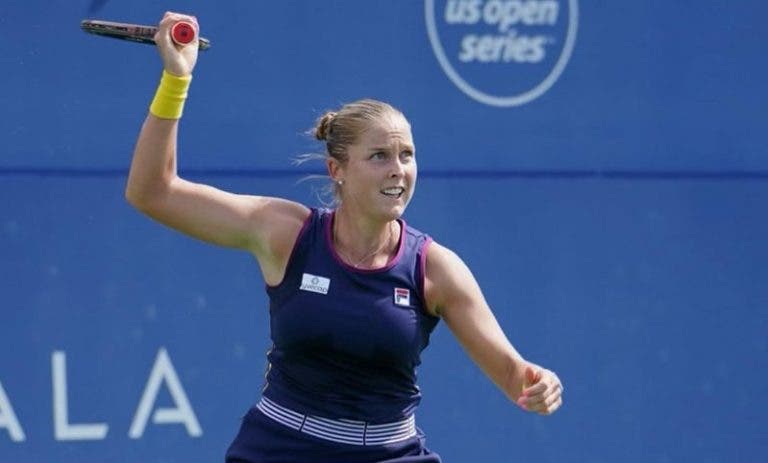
(335,169)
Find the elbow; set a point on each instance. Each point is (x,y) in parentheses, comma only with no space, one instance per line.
(131,199)
(142,198)
(130,195)
(145,190)
(134,197)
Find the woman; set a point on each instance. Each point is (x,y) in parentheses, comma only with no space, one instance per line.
(354,292)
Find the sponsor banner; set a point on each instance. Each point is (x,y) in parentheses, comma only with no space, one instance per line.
(502,52)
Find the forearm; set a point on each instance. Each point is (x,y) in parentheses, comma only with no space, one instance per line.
(154,161)
(513,380)
(500,362)
(494,354)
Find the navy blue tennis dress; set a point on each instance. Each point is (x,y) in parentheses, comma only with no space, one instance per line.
(341,381)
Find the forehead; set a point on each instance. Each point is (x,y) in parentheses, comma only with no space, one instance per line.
(387,130)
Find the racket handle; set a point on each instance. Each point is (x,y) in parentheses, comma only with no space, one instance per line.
(183,33)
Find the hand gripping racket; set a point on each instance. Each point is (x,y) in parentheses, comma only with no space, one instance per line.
(182,32)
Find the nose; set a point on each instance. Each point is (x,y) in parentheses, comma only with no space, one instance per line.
(397,168)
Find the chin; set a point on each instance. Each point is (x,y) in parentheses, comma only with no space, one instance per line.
(396,212)
(387,213)
(391,210)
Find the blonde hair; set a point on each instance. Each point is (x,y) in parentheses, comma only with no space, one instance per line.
(341,128)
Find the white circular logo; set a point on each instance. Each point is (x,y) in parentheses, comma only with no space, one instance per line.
(512,51)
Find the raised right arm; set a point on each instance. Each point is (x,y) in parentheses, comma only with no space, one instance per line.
(267,227)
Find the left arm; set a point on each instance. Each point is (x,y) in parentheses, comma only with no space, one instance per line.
(452,293)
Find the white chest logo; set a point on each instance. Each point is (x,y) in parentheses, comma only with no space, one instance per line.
(315,283)
(402,297)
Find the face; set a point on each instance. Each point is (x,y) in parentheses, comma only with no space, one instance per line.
(379,176)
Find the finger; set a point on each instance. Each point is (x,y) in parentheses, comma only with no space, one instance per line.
(531,376)
(547,395)
(543,406)
(170,18)
(546,379)
(536,389)
(533,404)
(556,380)
(543,402)
(552,408)
(162,36)
(176,17)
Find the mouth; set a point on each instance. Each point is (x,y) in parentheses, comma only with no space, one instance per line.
(394,192)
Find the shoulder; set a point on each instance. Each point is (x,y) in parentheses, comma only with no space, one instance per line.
(439,255)
(447,279)
(278,230)
(442,264)
(280,221)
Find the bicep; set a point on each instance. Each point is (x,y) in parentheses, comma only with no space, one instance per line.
(255,223)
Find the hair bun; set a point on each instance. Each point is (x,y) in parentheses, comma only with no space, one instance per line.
(323,127)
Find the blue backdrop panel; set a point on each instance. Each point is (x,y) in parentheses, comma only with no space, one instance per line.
(646,297)
(614,222)
(649,85)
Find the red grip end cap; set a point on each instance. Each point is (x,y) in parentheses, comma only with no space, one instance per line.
(183,33)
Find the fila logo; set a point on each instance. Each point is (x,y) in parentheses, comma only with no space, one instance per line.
(314,283)
(402,297)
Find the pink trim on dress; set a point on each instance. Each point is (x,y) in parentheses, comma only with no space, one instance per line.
(422,281)
(423,266)
(391,263)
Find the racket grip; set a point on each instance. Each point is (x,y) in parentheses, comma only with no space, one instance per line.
(183,33)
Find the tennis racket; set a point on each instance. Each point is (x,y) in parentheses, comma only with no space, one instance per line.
(182,32)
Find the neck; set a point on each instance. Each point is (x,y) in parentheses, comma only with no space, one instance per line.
(362,242)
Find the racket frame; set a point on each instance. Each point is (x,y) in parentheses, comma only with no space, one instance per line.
(139,33)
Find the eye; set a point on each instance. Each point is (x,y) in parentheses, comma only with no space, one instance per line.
(379,155)
(407,155)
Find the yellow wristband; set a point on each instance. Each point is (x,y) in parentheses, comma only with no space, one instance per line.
(170,96)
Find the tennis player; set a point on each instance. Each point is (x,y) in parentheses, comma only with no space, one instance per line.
(354,291)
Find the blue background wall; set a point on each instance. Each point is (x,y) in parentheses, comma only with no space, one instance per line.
(617,223)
